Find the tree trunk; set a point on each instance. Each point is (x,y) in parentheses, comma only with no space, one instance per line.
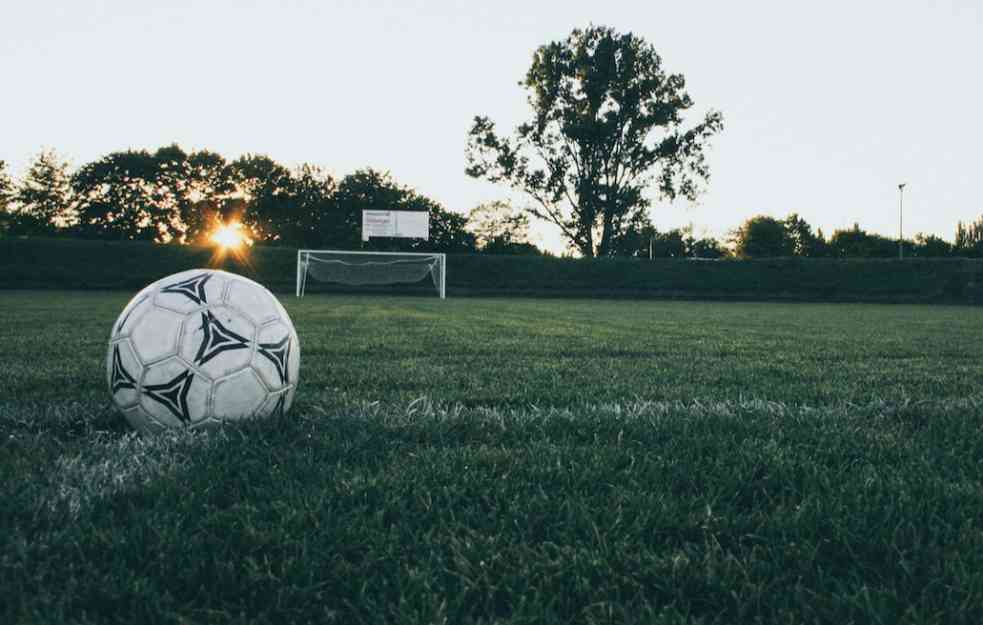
(587,246)
(606,233)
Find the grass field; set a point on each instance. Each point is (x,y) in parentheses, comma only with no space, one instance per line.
(498,460)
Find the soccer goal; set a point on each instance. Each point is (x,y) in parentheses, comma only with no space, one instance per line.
(370,269)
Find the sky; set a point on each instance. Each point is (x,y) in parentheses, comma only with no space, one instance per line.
(827,106)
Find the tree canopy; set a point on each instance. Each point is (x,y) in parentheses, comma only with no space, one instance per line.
(169,195)
(120,196)
(6,186)
(857,242)
(607,124)
(762,237)
(499,229)
(369,189)
(642,240)
(969,239)
(42,199)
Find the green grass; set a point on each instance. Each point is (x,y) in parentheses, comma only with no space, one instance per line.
(494,352)
(511,461)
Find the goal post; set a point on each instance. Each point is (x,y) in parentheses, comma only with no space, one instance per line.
(370,268)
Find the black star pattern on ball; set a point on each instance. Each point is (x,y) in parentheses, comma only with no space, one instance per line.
(120,377)
(193,288)
(122,322)
(217,339)
(173,394)
(280,405)
(277,353)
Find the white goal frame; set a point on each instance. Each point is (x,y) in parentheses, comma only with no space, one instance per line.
(303,254)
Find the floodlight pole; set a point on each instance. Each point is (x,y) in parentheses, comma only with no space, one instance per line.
(901,220)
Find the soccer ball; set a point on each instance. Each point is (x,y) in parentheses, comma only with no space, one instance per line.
(200,348)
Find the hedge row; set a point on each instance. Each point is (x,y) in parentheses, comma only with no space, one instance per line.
(77,264)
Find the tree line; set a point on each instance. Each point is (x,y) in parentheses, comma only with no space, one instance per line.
(763,236)
(767,237)
(172,196)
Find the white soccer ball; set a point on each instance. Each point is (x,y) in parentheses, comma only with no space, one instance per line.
(200,348)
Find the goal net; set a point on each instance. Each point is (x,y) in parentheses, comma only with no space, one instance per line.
(357,269)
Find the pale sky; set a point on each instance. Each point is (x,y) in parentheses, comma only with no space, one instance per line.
(827,105)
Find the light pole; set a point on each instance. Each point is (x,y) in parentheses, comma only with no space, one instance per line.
(901,220)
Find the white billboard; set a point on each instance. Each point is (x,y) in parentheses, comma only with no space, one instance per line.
(405,224)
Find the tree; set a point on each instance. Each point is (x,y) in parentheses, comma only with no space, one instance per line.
(500,247)
(6,187)
(801,240)
(264,186)
(670,244)
(448,230)
(858,243)
(641,239)
(202,185)
(6,198)
(44,197)
(365,189)
(165,196)
(762,237)
(308,209)
(931,246)
(607,122)
(498,229)
(969,239)
(707,247)
(635,238)
(120,197)
(368,189)
(168,177)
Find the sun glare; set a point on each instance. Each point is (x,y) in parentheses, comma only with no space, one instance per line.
(230,236)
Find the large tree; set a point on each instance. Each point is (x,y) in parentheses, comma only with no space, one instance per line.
(607,123)
(264,186)
(167,195)
(801,239)
(309,208)
(120,197)
(763,237)
(44,196)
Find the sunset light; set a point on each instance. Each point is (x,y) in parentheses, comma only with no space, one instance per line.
(230,236)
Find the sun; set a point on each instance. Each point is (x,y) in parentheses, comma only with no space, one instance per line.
(229,236)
